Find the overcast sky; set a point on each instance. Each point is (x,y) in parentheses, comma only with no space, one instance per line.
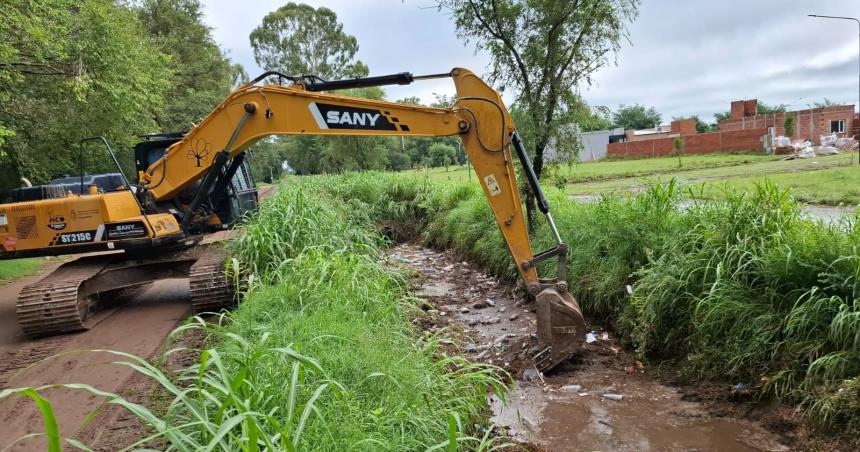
(684,57)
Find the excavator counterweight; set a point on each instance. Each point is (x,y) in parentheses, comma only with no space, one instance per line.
(189,188)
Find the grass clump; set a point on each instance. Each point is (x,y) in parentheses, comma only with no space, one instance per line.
(321,354)
(744,288)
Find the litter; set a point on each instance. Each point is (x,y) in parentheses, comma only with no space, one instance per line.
(616,397)
(571,388)
(828,150)
(590,337)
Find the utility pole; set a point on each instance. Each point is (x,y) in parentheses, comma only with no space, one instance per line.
(858,56)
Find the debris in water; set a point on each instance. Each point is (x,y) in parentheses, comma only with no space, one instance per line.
(571,388)
(616,397)
(531,374)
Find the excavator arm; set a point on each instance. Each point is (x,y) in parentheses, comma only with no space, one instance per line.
(308,106)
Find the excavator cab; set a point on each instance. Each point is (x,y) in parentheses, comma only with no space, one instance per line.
(230,204)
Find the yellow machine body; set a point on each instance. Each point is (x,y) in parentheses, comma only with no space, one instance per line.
(78,223)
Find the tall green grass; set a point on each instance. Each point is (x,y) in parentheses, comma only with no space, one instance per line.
(321,354)
(744,289)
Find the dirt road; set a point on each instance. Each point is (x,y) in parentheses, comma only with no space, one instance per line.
(567,410)
(138,327)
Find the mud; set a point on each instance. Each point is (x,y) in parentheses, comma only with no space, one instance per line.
(493,325)
(138,327)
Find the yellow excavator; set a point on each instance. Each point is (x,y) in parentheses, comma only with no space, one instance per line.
(191,184)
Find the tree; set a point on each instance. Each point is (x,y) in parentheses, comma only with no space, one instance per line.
(788,124)
(636,117)
(308,154)
(442,154)
(722,116)
(238,75)
(596,118)
(543,50)
(71,69)
(678,147)
(701,126)
(298,39)
(825,103)
(267,158)
(200,74)
(765,109)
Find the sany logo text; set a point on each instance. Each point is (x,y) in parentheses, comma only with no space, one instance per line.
(351,118)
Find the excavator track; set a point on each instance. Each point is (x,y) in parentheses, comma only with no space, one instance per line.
(211,289)
(56,304)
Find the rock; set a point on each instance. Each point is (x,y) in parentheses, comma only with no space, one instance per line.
(490,302)
(464,310)
(531,374)
(471,348)
(432,311)
(473,322)
(571,388)
(513,317)
(503,309)
(480,305)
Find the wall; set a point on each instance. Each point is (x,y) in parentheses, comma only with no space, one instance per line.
(809,124)
(748,140)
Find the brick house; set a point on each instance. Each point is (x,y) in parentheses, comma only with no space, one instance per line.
(809,124)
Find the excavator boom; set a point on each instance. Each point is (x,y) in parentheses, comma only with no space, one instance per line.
(479,118)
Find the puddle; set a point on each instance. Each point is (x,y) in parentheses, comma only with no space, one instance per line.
(489,318)
(650,417)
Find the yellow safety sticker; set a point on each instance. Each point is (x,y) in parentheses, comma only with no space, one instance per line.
(492,185)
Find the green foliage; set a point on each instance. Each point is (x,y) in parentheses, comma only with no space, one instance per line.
(298,39)
(442,154)
(765,109)
(543,51)
(72,69)
(788,124)
(19,267)
(721,116)
(825,103)
(636,117)
(596,118)
(321,354)
(701,126)
(745,289)
(200,74)
(267,159)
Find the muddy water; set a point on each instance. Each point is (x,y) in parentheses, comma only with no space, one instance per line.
(487,316)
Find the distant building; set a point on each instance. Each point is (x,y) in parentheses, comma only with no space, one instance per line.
(594,145)
(810,124)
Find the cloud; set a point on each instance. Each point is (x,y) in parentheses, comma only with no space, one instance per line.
(683,57)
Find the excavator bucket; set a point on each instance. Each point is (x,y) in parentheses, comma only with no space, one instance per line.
(561,328)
